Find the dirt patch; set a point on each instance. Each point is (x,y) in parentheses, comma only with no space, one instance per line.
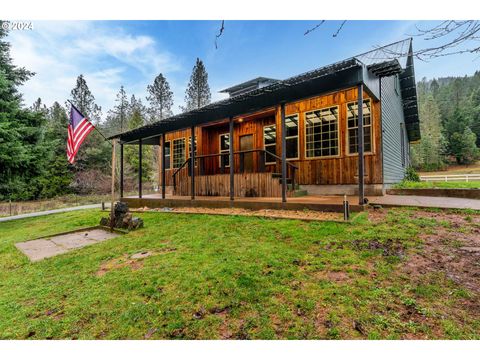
(389,247)
(134,261)
(307,215)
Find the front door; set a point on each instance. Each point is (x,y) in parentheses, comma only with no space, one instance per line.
(246,143)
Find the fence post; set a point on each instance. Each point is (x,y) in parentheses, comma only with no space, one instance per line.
(10,206)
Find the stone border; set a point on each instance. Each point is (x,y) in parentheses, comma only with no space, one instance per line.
(456,193)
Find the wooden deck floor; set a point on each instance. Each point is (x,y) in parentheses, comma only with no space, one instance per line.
(311,202)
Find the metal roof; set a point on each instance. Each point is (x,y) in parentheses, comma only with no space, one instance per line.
(248,84)
(343,74)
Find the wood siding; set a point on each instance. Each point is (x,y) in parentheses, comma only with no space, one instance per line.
(246,185)
(335,170)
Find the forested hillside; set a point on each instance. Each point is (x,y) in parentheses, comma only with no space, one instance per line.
(449,120)
(33,139)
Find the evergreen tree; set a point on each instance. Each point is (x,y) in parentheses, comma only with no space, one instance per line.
(83,99)
(131,152)
(137,105)
(117,117)
(198,90)
(39,107)
(429,153)
(59,171)
(160,98)
(460,137)
(24,153)
(95,152)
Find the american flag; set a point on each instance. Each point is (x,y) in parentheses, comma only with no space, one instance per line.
(78,129)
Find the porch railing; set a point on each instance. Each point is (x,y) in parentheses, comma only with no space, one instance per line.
(291,168)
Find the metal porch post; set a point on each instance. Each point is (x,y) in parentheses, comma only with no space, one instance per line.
(361,160)
(121,170)
(163,166)
(232,161)
(192,161)
(140,168)
(284,153)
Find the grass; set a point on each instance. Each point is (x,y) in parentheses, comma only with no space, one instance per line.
(23,207)
(438,185)
(230,277)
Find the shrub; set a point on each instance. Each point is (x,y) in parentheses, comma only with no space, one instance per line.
(411,175)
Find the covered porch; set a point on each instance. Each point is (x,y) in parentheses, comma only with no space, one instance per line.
(275,179)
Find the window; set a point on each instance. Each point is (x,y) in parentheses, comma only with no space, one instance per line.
(178,152)
(194,149)
(167,154)
(291,136)
(269,143)
(321,129)
(352,124)
(225,149)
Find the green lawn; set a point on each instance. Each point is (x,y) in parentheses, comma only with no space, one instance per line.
(216,277)
(438,185)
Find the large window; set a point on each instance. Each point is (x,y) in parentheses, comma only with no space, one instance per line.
(321,129)
(291,136)
(270,143)
(352,124)
(167,155)
(225,149)
(178,152)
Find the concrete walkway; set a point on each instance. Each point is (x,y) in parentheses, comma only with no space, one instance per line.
(48,212)
(426,202)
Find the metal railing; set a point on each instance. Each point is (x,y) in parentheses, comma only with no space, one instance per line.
(224,157)
(446,178)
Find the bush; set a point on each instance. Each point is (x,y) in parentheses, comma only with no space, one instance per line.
(411,175)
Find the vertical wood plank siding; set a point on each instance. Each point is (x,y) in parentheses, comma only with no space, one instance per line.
(335,170)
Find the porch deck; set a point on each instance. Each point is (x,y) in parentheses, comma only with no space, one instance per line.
(310,202)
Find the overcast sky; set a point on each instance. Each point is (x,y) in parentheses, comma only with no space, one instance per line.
(132,53)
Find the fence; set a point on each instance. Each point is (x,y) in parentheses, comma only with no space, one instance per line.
(446,178)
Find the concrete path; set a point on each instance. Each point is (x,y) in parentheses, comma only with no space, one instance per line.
(425,202)
(48,212)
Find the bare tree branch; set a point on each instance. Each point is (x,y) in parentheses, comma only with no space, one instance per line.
(314,28)
(220,32)
(339,28)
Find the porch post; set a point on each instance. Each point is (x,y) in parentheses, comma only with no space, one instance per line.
(361,160)
(232,162)
(192,161)
(121,170)
(284,153)
(140,168)
(163,166)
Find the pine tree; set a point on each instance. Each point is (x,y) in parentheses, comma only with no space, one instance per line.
(39,107)
(117,117)
(24,152)
(131,152)
(429,153)
(160,98)
(198,90)
(84,100)
(95,152)
(136,105)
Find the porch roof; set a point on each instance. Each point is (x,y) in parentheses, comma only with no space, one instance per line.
(344,74)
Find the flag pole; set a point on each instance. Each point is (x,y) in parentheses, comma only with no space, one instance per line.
(112,220)
(89,120)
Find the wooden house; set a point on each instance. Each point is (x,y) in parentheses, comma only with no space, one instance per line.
(273,138)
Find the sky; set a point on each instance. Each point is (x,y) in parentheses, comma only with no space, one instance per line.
(131,53)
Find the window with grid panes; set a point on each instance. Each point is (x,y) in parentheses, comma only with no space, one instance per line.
(321,130)
(352,125)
